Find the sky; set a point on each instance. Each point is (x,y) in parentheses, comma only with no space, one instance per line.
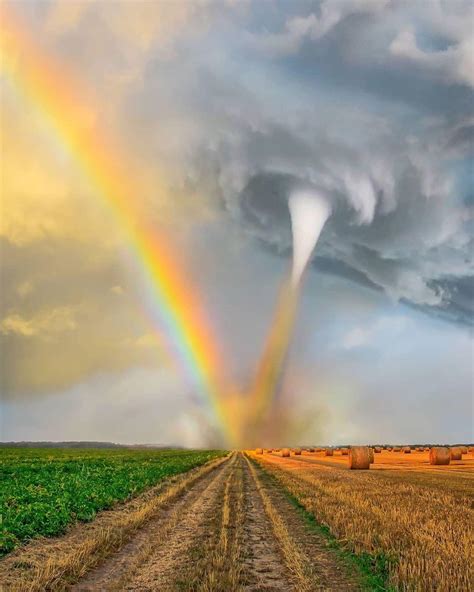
(219,110)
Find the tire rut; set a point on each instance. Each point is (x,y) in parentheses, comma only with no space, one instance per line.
(263,560)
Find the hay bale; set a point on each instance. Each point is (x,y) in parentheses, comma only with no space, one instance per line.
(269,451)
(344,451)
(407,450)
(440,455)
(359,457)
(297,451)
(371,455)
(377,449)
(463,449)
(258,450)
(329,452)
(456,454)
(310,449)
(285,452)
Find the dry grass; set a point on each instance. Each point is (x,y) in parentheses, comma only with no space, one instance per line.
(423,523)
(55,564)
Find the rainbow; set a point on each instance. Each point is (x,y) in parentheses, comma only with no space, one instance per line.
(53,92)
(270,367)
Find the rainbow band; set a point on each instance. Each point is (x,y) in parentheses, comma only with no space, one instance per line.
(48,88)
(271,364)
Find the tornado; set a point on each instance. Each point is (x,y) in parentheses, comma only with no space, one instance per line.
(309,211)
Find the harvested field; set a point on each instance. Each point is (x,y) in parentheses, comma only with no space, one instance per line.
(416,518)
(390,460)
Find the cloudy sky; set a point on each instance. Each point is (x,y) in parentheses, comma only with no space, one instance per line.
(222,109)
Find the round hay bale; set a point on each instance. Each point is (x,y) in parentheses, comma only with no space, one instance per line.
(440,455)
(258,450)
(359,457)
(329,452)
(310,449)
(285,452)
(344,451)
(297,451)
(396,449)
(269,451)
(407,450)
(463,449)
(456,454)
(377,450)
(371,455)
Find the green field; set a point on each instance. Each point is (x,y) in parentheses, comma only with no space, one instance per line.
(43,490)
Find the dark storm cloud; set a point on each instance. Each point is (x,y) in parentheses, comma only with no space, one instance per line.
(369,102)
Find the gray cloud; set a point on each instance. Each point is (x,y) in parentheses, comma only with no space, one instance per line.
(320,96)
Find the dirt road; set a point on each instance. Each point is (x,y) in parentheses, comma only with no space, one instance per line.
(228,527)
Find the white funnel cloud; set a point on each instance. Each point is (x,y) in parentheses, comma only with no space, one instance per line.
(309,212)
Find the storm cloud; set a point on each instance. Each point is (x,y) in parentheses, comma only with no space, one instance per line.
(353,99)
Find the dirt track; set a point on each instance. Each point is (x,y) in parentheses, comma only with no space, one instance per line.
(233,530)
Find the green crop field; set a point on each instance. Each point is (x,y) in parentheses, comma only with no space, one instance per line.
(43,490)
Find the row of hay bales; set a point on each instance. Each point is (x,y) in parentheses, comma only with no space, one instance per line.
(361,457)
(410,449)
(443,455)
